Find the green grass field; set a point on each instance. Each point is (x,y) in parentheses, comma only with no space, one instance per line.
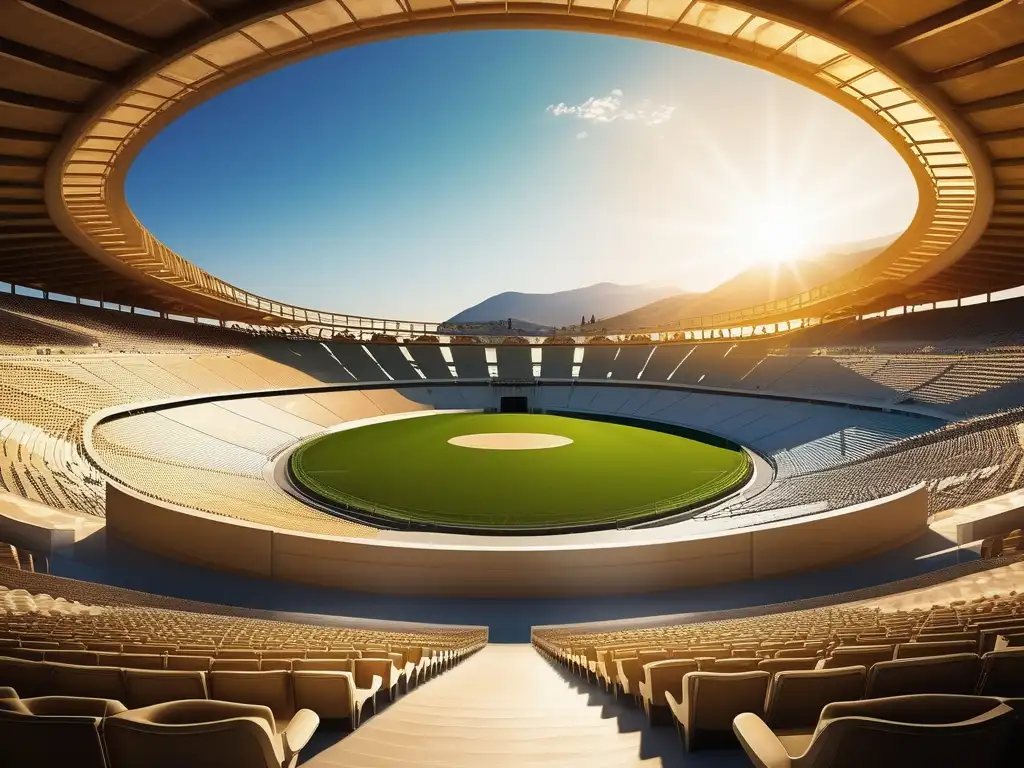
(406,470)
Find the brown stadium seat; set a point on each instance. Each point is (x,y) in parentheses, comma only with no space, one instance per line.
(325,665)
(138,661)
(710,701)
(192,663)
(94,682)
(147,687)
(28,678)
(53,731)
(943,648)
(271,665)
(235,665)
(1002,673)
(797,653)
(857,655)
(957,673)
(6,692)
(774,666)
(206,734)
(925,730)
(660,677)
(85,658)
(796,697)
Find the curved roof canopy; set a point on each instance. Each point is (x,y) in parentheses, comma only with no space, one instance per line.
(85,84)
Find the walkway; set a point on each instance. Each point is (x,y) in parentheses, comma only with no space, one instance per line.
(508,707)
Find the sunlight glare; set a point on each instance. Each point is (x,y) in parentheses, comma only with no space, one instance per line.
(776,232)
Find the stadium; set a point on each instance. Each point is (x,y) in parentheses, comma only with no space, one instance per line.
(237,531)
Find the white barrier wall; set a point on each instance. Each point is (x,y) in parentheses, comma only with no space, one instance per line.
(490,569)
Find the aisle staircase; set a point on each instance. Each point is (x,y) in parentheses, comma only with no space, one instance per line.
(508,707)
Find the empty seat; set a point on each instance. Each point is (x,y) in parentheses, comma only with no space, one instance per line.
(857,655)
(628,673)
(926,730)
(710,702)
(796,697)
(235,665)
(917,650)
(206,734)
(53,731)
(93,682)
(366,669)
(85,658)
(1002,673)
(6,692)
(333,695)
(660,677)
(729,665)
(140,661)
(957,673)
(146,687)
(28,678)
(797,653)
(193,663)
(773,666)
(268,689)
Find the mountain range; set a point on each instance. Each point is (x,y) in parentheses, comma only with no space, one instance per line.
(625,306)
(556,310)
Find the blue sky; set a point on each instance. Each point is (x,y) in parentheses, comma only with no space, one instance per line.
(416,177)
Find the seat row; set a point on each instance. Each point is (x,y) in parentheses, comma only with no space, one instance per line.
(102,733)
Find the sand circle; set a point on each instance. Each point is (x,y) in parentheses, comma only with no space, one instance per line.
(510,441)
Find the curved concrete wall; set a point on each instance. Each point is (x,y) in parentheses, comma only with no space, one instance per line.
(491,570)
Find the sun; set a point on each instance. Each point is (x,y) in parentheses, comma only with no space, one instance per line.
(776,232)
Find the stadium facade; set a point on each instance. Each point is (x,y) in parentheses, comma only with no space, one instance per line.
(151,553)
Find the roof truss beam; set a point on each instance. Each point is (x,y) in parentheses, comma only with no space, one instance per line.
(1014,54)
(32,101)
(94,25)
(52,61)
(1006,101)
(942,21)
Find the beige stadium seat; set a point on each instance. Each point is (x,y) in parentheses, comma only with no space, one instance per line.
(628,672)
(268,689)
(957,673)
(53,731)
(192,663)
(94,682)
(138,661)
(6,692)
(365,670)
(660,677)
(927,730)
(85,658)
(917,650)
(796,698)
(1002,673)
(206,734)
(235,665)
(333,695)
(146,687)
(858,655)
(729,665)
(272,665)
(324,665)
(710,701)
(797,653)
(774,666)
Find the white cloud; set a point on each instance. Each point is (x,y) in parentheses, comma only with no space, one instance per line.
(608,109)
(582,135)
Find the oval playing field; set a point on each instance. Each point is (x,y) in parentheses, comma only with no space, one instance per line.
(481,471)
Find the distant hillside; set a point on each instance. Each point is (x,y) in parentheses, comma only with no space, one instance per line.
(752,286)
(556,310)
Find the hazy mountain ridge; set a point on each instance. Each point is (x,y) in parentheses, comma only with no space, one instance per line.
(766,282)
(556,310)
